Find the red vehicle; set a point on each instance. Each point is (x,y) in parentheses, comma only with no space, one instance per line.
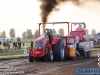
(51,47)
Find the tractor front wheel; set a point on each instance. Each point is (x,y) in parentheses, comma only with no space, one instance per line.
(58,50)
(50,55)
(30,58)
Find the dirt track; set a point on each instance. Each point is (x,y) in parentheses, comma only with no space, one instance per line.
(68,67)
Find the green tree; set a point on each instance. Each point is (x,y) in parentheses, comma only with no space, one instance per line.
(24,35)
(36,34)
(54,31)
(29,34)
(93,31)
(12,33)
(3,34)
(61,32)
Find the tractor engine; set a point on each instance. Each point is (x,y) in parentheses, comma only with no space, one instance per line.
(42,44)
(49,33)
(44,40)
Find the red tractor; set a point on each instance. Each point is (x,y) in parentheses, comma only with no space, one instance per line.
(51,47)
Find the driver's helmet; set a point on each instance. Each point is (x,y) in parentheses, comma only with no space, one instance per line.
(47,31)
(80,26)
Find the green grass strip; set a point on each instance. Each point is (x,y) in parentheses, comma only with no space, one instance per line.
(96,49)
(13,56)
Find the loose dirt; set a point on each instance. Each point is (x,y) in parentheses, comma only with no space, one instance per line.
(67,67)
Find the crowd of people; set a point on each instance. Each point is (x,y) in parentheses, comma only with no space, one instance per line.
(7,44)
(15,45)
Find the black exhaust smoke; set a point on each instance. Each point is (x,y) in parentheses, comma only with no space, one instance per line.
(47,6)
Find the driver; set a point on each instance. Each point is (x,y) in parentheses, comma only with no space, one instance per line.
(79,28)
(82,29)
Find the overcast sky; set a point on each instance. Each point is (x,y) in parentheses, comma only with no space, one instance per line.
(24,14)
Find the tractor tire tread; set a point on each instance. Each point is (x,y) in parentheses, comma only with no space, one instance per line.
(57,50)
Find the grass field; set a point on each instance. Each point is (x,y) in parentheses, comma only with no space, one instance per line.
(13,56)
(27,40)
(96,49)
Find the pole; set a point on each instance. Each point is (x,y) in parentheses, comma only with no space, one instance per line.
(39,30)
(71,26)
(68,35)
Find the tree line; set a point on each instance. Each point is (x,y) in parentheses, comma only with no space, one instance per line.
(29,35)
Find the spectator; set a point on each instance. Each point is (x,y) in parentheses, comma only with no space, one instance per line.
(0,44)
(14,45)
(19,45)
(6,45)
(31,44)
(23,44)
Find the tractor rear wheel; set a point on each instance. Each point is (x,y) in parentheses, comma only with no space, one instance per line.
(50,55)
(58,51)
(30,58)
